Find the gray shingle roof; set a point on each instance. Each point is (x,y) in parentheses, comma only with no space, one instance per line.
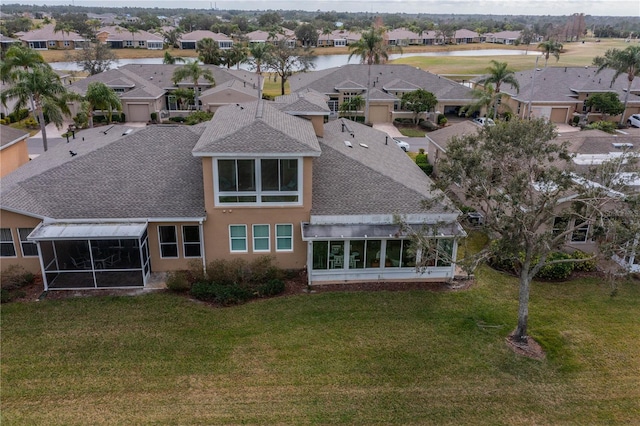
(147,174)
(256,128)
(380,179)
(237,85)
(155,79)
(562,84)
(304,101)
(9,135)
(325,81)
(441,137)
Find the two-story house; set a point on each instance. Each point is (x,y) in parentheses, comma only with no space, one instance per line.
(261,178)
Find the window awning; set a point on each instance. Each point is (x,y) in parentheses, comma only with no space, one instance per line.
(365,231)
(87,231)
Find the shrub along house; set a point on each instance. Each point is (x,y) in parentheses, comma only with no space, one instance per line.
(261,178)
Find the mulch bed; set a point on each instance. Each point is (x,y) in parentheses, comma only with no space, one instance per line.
(530,348)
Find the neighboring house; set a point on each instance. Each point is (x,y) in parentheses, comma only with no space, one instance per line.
(560,93)
(7,42)
(190,40)
(439,139)
(13,149)
(589,148)
(337,38)
(388,83)
(147,88)
(117,37)
(503,37)
(402,37)
(46,38)
(104,18)
(260,36)
(464,36)
(256,180)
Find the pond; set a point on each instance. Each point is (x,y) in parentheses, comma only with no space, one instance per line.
(321,61)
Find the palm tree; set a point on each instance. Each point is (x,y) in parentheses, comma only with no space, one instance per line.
(236,55)
(133,30)
(351,106)
(259,55)
(63,27)
(170,59)
(499,74)
(101,96)
(19,58)
(208,51)
(625,61)
(484,98)
(49,96)
(194,72)
(171,37)
(372,49)
(550,47)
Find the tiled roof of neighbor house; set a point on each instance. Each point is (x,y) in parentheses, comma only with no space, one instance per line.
(260,35)
(325,81)
(402,34)
(379,179)
(147,174)
(47,33)
(348,84)
(200,34)
(400,85)
(464,33)
(507,35)
(561,84)
(5,39)
(303,101)
(339,35)
(155,79)
(118,33)
(441,137)
(9,135)
(257,128)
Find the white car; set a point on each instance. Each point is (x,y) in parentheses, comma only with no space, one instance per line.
(402,144)
(484,121)
(634,120)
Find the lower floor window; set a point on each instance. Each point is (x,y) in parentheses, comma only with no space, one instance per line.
(238,238)
(191,241)
(367,254)
(168,241)
(7,248)
(28,248)
(284,237)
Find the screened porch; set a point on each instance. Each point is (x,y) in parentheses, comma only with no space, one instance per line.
(90,256)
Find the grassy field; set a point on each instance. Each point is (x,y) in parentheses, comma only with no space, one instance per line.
(574,54)
(329,358)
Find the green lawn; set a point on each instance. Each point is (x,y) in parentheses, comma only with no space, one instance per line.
(329,358)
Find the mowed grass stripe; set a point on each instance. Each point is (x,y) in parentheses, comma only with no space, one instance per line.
(329,358)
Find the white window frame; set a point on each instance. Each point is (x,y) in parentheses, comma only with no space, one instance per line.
(51,43)
(258,192)
(15,252)
(141,43)
(578,230)
(186,243)
(25,241)
(278,237)
(160,243)
(268,237)
(231,239)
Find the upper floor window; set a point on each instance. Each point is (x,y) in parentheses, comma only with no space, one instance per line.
(258,181)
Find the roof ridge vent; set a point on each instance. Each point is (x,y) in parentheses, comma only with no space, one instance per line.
(364,145)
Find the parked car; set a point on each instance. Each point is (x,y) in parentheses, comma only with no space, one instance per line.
(402,144)
(634,120)
(484,121)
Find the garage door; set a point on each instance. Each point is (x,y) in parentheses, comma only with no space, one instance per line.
(139,113)
(379,114)
(558,115)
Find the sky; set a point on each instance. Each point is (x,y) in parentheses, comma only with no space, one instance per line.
(484,7)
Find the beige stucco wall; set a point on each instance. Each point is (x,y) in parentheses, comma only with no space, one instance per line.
(158,264)
(13,156)
(14,221)
(216,227)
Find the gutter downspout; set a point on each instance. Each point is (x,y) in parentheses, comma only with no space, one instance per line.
(204,256)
